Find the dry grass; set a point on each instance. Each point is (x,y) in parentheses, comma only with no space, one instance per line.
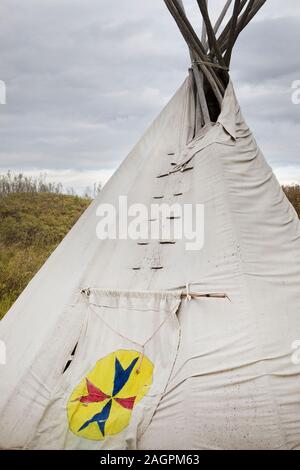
(32,225)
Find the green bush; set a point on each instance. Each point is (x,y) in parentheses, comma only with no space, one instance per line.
(32,225)
(293,194)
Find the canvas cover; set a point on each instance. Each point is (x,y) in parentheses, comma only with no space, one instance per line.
(233,384)
(123,362)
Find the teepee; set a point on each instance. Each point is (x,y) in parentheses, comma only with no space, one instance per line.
(125,343)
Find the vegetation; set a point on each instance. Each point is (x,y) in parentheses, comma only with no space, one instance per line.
(34,218)
(19,183)
(293,194)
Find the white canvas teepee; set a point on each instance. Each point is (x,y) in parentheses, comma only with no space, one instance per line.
(112,346)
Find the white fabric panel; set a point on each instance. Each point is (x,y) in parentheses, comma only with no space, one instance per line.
(142,322)
(233,384)
(37,323)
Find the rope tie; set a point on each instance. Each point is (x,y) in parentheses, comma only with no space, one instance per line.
(188,295)
(139,364)
(209,64)
(86,294)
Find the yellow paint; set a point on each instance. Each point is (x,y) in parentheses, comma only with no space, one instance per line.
(102,376)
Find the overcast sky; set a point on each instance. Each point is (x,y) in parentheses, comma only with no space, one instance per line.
(85,79)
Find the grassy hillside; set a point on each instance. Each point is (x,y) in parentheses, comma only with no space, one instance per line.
(31,226)
(293,194)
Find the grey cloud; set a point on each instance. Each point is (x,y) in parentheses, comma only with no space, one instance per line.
(85,79)
(268,51)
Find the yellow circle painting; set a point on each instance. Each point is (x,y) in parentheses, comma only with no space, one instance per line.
(101,404)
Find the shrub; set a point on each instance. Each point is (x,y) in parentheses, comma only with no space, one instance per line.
(32,225)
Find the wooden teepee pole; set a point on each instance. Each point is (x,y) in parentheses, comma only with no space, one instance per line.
(210,32)
(196,46)
(223,38)
(199,84)
(222,16)
(232,34)
(256,7)
(204,32)
(243,21)
(244,16)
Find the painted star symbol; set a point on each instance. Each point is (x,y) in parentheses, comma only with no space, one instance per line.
(95,395)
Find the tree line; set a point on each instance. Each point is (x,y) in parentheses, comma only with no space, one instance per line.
(11,183)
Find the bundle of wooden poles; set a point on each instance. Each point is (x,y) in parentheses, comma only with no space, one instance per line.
(211,55)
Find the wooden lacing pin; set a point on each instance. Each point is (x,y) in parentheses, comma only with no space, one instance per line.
(188,297)
(86,292)
(163,175)
(188,168)
(194,295)
(139,364)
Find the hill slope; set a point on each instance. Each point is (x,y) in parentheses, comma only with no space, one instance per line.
(293,194)
(31,227)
